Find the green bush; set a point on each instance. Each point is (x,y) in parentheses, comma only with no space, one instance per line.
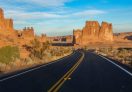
(9,54)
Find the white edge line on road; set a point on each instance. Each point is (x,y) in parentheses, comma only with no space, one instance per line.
(32,69)
(116,65)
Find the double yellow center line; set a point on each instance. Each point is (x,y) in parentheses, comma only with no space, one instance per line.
(62,80)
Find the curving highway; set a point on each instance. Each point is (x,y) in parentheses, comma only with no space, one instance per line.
(81,71)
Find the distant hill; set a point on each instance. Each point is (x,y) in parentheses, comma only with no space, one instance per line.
(123,36)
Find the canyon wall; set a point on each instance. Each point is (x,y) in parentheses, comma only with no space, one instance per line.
(11,36)
(106,32)
(93,33)
(77,36)
(6,25)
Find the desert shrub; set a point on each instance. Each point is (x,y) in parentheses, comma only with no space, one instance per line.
(38,48)
(123,55)
(9,54)
(60,51)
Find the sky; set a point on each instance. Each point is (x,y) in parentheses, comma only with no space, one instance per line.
(60,17)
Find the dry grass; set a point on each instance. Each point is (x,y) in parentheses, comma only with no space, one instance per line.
(123,55)
(40,53)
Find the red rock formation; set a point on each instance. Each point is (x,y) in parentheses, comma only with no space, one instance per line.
(90,32)
(10,35)
(94,33)
(106,33)
(28,32)
(69,38)
(20,38)
(9,24)
(43,38)
(6,25)
(77,36)
(123,37)
(25,36)
(1,14)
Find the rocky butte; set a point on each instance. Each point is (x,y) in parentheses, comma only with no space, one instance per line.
(6,25)
(93,33)
(13,37)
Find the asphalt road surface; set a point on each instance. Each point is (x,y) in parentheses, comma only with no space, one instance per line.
(80,72)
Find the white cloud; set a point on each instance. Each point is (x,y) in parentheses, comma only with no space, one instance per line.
(45,3)
(89,12)
(59,16)
(44,20)
(22,15)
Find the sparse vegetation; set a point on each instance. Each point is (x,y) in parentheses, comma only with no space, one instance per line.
(45,50)
(9,54)
(38,49)
(123,55)
(40,53)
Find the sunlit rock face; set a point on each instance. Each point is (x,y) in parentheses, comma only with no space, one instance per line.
(1,14)
(7,32)
(69,39)
(25,36)
(90,32)
(6,25)
(77,36)
(27,32)
(106,32)
(10,36)
(94,33)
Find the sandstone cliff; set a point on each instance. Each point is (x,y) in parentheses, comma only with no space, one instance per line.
(1,14)
(6,25)
(11,35)
(105,32)
(77,36)
(94,33)
(90,32)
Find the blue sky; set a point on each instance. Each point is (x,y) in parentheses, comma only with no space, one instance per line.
(60,17)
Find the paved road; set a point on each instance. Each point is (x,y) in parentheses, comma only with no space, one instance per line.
(96,74)
(80,72)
